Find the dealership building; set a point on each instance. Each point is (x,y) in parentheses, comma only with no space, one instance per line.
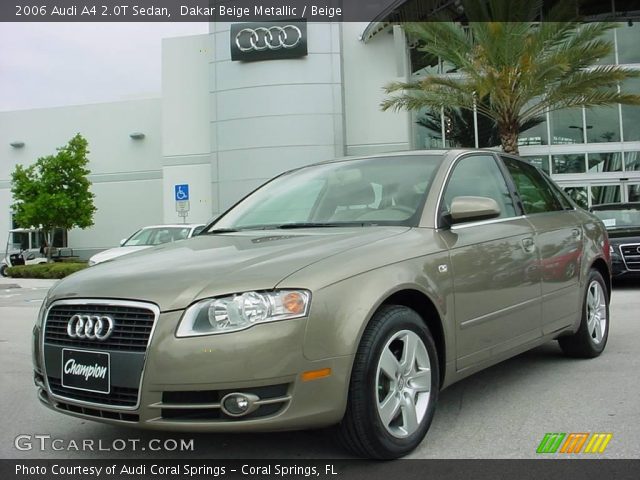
(230,116)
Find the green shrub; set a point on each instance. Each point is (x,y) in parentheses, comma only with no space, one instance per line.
(46,270)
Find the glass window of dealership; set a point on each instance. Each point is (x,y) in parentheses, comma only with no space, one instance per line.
(594,154)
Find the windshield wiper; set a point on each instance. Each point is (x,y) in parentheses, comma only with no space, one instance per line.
(288,226)
(319,225)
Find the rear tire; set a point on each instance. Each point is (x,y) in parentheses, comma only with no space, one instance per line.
(394,386)
(591,338)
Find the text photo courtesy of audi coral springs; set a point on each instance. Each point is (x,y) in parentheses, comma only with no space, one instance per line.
(332,296)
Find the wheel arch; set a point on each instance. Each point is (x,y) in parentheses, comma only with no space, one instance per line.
(601,266)
(425,307)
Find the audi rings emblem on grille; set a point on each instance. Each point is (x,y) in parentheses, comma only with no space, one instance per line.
(272,38)
(98,327)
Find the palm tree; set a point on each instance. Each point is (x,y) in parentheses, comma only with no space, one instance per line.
(513,71)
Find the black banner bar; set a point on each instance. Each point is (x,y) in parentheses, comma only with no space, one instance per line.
(273,10)
(321,469)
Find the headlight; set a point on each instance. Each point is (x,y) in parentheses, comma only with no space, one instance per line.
(42,312)
(242,311)
(612,251)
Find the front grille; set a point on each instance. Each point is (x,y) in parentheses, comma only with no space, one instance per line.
(95,412)
(119,396)
(131,332)
(631,255)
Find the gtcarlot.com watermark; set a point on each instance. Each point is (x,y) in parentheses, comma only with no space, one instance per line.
(44,442)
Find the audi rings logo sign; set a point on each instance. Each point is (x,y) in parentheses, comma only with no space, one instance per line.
(272,38)
(91,327)
(255,41)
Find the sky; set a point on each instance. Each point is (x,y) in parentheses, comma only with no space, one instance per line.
(55,64)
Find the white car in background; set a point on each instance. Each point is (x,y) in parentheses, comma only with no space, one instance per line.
(148,237)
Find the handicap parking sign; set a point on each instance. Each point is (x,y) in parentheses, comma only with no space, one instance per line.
(181,192)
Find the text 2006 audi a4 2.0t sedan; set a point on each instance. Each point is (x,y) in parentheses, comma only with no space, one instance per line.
(346,293)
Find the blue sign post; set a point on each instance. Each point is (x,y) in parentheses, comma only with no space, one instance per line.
(181,192)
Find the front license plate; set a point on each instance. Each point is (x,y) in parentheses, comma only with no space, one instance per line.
(86,370)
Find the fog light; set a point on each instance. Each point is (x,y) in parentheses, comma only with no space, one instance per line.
(238,404)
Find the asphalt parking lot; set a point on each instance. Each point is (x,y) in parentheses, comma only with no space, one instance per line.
(502,412)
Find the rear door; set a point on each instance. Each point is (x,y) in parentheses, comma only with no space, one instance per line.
(558,238)
(497,306)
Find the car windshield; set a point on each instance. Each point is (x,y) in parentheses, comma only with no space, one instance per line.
(376,191)
(156,236)
(620,218)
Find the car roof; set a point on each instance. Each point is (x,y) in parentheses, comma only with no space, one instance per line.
(407,153)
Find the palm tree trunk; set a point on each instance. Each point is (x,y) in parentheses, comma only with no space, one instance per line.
(509,137)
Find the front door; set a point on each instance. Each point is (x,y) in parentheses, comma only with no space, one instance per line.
(497,304)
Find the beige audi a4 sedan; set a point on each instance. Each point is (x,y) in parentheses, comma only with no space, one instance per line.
(345,294)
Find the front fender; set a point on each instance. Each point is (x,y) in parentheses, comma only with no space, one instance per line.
(340,312)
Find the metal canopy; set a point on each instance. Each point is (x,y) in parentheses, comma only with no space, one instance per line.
(399,11)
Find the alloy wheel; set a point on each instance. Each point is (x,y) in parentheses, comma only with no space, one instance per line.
(596,312)
(403,385)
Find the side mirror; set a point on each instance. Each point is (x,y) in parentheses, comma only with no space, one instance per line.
(468,209)
(122,241)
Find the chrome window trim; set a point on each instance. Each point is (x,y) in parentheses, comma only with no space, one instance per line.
(107,302)
(484,222)
(551,212)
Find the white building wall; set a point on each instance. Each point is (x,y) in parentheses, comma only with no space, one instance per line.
(271,116)
(126,173)
(186,145)
(367,69)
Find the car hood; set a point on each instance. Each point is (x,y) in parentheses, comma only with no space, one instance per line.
(620,234)
(176,274)
(115,253)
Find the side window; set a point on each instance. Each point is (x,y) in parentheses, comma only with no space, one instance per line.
(562,197)
(535,193)
(479,176)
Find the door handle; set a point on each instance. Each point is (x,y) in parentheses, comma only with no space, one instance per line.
(528,245)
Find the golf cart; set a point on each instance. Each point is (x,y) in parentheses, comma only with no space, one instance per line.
(23,248)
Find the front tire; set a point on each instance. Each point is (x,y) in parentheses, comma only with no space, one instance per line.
(394,386)
(591,338)
(3,270)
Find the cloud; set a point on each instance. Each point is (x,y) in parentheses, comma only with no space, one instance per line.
(53,64)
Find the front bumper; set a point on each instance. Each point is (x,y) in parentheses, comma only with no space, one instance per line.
(619,269)
(184,379)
